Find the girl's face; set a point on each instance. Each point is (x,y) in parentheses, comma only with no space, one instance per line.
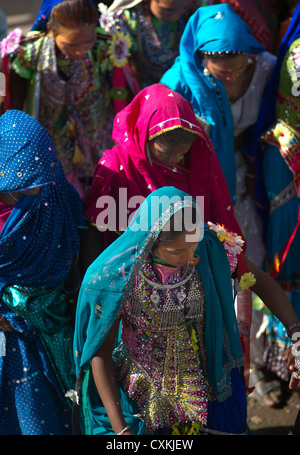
(75,43)
(169,156)
(169,10)
(178,252)
(229,70)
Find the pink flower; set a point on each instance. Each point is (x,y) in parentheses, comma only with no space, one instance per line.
(11,42)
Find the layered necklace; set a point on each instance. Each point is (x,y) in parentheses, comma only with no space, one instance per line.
(166,288)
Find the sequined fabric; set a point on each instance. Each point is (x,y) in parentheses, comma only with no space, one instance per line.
(156,362)
(73,91)
(156,47)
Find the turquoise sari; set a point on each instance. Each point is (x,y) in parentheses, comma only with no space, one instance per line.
(104,292)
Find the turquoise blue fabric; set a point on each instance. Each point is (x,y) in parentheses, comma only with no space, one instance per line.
(213,29)
(109,279)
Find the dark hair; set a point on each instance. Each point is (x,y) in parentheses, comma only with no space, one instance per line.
(73,14)
(176,226)
(174,137)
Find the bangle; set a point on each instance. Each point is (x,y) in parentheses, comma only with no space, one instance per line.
(123,431)
(293,326)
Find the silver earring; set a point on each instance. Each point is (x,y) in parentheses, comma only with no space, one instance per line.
(206,72)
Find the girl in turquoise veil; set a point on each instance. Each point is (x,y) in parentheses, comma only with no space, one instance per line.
(156,334)
(217,399)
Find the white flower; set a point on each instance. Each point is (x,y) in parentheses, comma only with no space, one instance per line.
(107,20)
(232,242)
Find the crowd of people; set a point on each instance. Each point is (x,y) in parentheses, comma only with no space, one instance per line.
(149,216)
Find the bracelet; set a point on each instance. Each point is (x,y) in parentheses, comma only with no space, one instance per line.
(293,326)
(123,431)
(251,176)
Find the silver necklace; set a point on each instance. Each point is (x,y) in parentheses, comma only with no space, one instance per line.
(181,295)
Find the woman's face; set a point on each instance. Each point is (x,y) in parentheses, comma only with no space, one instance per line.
(11,198)
(75,43)
(178,252)
(228,70)
(169,10)
(169,156)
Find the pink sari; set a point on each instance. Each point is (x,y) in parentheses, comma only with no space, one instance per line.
(156,110)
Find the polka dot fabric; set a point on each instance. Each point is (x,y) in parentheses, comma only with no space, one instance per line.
(27,153)
(41,237)
(38,243)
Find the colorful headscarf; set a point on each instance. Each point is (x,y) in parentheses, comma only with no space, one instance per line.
(40,23)
(255,14)
(109,279)
(211,29)
(40,238)
(154,111)
(267,112)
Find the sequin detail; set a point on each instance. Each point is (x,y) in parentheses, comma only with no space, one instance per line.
(156,362)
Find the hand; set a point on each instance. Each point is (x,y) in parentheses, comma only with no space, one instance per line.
(128,432)
(5,325)
(292,364)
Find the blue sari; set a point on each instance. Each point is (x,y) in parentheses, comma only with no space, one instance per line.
(275,192)
(38,244)
(211,29)
(104,291)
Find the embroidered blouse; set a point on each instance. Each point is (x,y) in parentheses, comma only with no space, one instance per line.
(160,362)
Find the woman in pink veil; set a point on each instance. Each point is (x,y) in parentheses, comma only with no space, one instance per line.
(133,168)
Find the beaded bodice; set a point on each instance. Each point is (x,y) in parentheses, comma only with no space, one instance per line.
(157,362)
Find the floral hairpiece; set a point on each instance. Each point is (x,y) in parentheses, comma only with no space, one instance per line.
(232,242)
(233,246)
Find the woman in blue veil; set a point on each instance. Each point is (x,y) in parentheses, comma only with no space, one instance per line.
(213,29)
(41,219)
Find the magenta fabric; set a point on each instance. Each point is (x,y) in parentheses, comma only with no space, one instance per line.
(5,211)
(156,110)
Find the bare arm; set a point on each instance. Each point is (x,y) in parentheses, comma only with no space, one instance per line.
(106,383)
(276,300)
(273,296)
